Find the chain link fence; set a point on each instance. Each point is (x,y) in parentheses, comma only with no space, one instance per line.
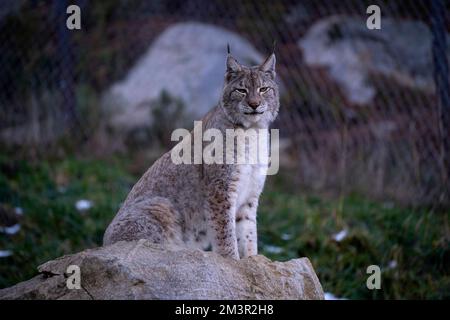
(362,111)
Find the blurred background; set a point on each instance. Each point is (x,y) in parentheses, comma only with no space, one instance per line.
(364,126)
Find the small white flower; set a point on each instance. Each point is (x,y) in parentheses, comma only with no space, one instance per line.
(273,249)
(83,205)
(5,253)
(392,264)
(340,235)
(330,296)
(18,211)
(10,230)
(286,236)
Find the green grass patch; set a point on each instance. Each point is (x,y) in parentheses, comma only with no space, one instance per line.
(411,247)
(51,226)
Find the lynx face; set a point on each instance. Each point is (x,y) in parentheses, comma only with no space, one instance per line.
(250,94)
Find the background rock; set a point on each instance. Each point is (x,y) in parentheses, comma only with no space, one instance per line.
(352,53)
(141,270)
(186,62)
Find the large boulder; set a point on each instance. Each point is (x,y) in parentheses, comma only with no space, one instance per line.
(142,270)
(352,54)
(187,63)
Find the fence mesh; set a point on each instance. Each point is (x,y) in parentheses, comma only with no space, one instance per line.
(362,110)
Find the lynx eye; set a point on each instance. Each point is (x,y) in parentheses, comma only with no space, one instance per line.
(263,89)
(241,91)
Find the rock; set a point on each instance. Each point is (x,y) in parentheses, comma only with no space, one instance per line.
(400,51)
(186,62)
(142,270)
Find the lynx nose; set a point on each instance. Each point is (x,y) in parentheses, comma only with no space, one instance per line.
(254,104)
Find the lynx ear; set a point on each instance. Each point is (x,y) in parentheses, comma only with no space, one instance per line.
(269,65)
(232,64)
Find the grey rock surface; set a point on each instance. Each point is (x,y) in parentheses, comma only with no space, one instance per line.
(142,270)
(400,50)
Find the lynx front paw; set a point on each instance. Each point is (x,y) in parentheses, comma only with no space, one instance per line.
(247,247)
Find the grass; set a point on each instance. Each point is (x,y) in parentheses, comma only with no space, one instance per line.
(51,226)
(377,234)
(291,225)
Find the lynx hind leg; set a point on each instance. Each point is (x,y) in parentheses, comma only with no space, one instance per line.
(154,219)
(246,235)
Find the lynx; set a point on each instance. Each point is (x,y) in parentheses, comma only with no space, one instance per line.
(207,206)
